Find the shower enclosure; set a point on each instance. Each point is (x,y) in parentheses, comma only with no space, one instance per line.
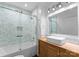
(17,31)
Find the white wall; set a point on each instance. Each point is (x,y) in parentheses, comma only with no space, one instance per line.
(78,17)
(67,22)
(41,13)
(44,22)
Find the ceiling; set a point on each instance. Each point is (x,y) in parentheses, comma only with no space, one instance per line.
(31,5)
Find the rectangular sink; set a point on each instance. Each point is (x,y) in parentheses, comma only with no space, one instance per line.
(58,40)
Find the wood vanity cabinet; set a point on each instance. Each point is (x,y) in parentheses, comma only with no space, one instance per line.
(67,53)
(52,50)
(64,52)
(42,49)
(49,50)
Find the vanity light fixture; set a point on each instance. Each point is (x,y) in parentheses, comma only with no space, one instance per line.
(68,2)
(53,9)
(48,11)
(25,4)
(60,6)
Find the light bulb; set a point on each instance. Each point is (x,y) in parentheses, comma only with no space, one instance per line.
(25,5)
(53,9)
(60,6)
(48,11)
(69,2)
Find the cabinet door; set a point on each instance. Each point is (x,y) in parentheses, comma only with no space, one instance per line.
(72,54)
(63,53)
(42,49)
(52,51)
(67,53)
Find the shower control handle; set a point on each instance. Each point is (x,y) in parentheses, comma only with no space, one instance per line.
(19,36)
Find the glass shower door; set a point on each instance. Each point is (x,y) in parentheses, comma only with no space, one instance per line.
(8,23)
(27,30)
(17,30)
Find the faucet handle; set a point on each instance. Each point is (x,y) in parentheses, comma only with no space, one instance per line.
(19,36)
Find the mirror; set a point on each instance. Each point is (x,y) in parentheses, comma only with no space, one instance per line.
(65,22)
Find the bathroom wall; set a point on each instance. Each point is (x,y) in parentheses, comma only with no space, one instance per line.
(43,25)
(36,13)
(78,19)
(67,22)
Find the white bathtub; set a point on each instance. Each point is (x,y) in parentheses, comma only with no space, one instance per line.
(28,49)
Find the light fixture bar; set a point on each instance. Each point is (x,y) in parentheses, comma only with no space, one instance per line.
(63,9)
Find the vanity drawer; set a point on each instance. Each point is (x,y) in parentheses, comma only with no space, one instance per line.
(63,52)
(52,51)
(53,48)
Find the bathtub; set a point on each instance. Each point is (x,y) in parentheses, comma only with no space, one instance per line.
(28,49)
(69,38)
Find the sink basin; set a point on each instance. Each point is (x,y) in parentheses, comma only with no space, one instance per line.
(56,40)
